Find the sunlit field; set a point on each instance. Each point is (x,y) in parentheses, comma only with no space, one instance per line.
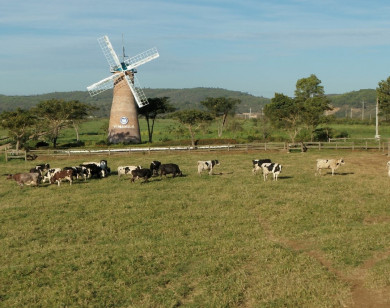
(226,240)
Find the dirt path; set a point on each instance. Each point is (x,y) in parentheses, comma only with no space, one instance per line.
(362,297)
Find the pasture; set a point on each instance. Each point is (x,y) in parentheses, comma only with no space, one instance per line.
(226,240)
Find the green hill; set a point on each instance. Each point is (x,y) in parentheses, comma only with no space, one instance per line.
(186,99)
(180,98)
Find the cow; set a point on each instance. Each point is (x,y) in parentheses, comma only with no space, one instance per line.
(102,164)
(388,167)
(123,170)
(79,171)
(25,178)
(41,169)
(141,173)
(257,164)
(94,170)
(273,168)
(207,165)
(332,164)
(50,173)
(61,176)
(154,166)
(170,169)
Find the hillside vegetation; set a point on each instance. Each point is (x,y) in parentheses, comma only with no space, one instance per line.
(184,99)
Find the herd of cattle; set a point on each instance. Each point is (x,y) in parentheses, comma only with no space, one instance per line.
(44,173)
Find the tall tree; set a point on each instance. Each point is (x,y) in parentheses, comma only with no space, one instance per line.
(58,114)
(383,93)
(313,103)
(285,113)
(20,125)
(156,106)
(221,107)
(192,119)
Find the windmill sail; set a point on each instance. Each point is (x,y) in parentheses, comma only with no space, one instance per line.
(109,53)
(142,58)
(138,93)
(102,85)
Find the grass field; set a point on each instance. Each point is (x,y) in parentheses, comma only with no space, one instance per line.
(241,130)
(227,240)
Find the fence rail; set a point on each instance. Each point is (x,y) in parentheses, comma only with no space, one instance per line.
(265,146)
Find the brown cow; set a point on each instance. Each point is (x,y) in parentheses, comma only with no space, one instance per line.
(62,175)
(25,178)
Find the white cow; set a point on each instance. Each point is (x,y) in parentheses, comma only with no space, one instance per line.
(388,166)
(126,170)
(207,165)
(332,164)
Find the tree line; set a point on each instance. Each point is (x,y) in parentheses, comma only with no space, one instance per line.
(306,110)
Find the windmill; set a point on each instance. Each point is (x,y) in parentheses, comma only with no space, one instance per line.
(123,126)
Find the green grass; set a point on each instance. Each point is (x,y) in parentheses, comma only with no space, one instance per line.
(226,240)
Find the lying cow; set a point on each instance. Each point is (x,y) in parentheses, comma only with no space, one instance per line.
(126,170)
(332,164)
(257,164)
(170,169)
(155,166)
(25,178)
(273,168)
(141,173)
(207,165)
(61,176)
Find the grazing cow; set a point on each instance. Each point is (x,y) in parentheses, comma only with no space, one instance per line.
(50,173)
(141,173)
(257,164)
(25,178)
(207,165)
(273,168)
(332,164)
(154,166)
(388,166)
(61,176)
(79,171)
(123,170)
(170,169)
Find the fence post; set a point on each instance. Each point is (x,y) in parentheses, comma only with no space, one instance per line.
(228,147)
(366,145)
(265,146)
(319,145)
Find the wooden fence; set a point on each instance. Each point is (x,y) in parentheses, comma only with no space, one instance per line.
(265,146)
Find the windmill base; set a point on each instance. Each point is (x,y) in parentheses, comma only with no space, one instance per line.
(122,137)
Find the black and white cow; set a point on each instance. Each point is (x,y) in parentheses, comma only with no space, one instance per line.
(41,169)
(141,173)
(50,174)
(94,170)
(207,165)
(104,170)
(170,169)
(126,170)
(80,171)
(257,164)
(155,166)
(273,168)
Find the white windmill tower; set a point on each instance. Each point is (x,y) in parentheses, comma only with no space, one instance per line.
(123,126)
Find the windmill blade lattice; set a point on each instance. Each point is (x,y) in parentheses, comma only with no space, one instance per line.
(110,54)
(142,58)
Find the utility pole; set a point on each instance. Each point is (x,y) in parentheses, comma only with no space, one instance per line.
(377,136)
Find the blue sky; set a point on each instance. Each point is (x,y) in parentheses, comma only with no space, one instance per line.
(255,46)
